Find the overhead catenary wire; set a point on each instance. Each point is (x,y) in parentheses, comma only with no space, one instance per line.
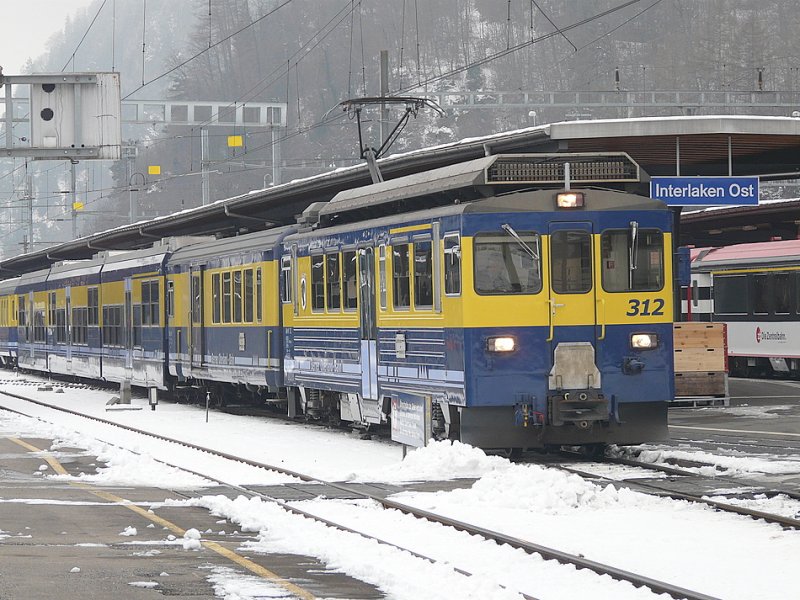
(549,20)
(202,52)
(517,47)
(88,29)
(352,3)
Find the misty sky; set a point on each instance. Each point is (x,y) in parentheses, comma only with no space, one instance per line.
(27,25)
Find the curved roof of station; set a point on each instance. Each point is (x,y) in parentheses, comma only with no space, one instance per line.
(701,145)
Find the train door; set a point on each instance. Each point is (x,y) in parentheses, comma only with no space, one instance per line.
(196,328)
(368,324)
(127,321)
(29,326)
(573,308)
(68,325)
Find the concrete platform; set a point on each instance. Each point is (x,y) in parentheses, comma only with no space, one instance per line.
(50,528)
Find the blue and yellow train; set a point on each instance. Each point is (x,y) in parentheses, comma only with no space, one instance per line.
(482,302)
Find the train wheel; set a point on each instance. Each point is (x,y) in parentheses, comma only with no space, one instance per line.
(511,453)
(593,451)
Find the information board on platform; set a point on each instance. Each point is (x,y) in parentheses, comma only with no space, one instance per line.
(705,191)
(411,417)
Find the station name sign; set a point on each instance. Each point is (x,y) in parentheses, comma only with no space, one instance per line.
(705,191)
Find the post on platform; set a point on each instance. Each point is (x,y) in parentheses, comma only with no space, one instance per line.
(152,396)
(208,401)
(125,391)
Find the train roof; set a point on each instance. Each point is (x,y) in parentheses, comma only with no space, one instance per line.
(477,179)
(7,286)
(212,248)
(777,253)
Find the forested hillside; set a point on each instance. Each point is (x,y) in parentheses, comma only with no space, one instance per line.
(312,54)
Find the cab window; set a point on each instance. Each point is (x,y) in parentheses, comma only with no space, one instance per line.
(505,265)
(632,263)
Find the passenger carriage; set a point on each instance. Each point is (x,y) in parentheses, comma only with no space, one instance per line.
(8,322)
(72,318)
(34,338)
(754,289)
(223,318)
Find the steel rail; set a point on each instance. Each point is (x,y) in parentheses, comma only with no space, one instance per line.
(657,586)
(670,470)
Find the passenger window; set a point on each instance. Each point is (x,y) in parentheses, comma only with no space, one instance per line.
(797,293)
(350,289)
(401,297)
(761,294)
(783,290)
(647,272)
(382,275)
(260,296)
(248,295)
(730,295)
(170,298)
(145,304)
(237,296)
(423,275)
(51,314)
(226,297)
(286,280)
(571,261)
(216,290)
(317,283)
(452,264)
(197,299)
(334,282)
(504,266)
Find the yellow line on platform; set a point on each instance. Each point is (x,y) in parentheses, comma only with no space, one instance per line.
(213,546)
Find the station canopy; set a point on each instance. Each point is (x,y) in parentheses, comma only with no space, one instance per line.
(768,147)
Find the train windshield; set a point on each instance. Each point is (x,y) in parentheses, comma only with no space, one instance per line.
(633,265)
(503,265)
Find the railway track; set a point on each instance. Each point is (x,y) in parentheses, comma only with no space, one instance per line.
(578,561)
(663,490)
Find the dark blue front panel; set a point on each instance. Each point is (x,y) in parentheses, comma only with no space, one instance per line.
(522,376)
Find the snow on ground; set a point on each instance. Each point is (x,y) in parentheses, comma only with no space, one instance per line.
(777,505)
(330,454)
(389,568)
(719,464)
(232,585)
(684,544)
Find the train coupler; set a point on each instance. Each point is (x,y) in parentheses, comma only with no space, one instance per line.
(582,408)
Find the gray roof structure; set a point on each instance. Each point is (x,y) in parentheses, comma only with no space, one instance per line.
(690,145)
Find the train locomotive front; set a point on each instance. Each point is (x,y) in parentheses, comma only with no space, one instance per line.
(567,334)
(503,316)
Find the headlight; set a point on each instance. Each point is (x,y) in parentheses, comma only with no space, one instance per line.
(501,344)
(644,341)
(569,200)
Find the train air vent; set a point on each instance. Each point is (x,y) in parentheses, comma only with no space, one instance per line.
(549,168)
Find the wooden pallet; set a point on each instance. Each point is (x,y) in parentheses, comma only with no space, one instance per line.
(713,383)
(699,335)
(700,361)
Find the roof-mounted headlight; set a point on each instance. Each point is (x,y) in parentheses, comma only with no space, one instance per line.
(569,200)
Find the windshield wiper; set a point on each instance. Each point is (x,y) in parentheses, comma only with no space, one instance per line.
(510,231)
